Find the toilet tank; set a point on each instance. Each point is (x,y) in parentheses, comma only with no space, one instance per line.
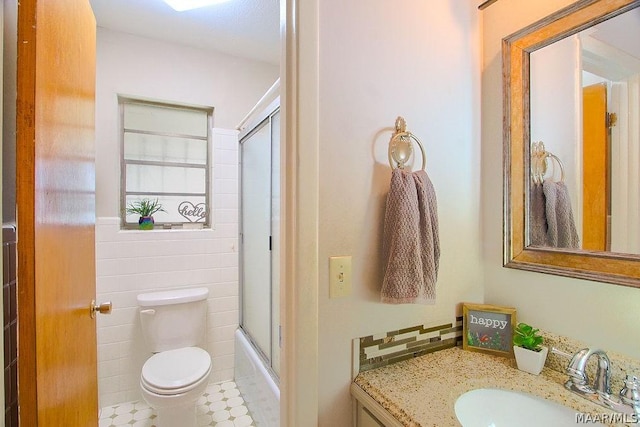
(173,319)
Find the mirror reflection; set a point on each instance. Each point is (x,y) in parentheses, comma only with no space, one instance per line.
(584,191)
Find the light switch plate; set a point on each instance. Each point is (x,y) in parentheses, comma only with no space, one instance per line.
(339,276)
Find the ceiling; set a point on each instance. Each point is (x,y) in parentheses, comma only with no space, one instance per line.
(245,28)
(621,32)
(610,49)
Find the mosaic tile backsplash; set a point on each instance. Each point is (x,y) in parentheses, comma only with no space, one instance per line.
(394,346)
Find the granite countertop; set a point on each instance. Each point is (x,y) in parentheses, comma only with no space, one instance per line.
(422,391)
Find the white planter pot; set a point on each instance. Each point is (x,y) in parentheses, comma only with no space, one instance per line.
(530,361)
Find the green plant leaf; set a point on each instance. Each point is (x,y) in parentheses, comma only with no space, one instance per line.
(144,207)
(526,336)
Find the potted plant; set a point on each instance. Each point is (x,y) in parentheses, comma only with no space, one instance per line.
(528,349)
(145,208)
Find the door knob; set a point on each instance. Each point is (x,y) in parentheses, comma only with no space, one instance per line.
(104,308)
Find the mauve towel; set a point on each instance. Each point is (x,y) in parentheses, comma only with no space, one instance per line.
(411,244)
(561,228)
(537,216)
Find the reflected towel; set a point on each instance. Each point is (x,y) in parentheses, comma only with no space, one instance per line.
(411,244)
(561,228)
(537,219)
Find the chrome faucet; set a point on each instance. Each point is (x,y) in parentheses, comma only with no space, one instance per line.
(578,379)
(627,402)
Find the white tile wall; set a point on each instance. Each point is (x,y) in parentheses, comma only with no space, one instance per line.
(129,262)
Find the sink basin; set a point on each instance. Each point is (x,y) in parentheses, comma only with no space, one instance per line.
(488,407)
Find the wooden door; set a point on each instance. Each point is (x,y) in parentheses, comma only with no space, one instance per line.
(595,183)
(55,198)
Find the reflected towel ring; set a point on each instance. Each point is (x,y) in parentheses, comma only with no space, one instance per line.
(539,157)
(554,157)
(401,148)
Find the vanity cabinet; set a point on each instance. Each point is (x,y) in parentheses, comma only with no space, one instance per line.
(370,413)
(366,418)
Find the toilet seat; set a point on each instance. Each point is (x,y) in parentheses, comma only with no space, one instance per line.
(175,371)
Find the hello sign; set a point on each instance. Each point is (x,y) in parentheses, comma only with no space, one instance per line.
(488,329)
(193,213)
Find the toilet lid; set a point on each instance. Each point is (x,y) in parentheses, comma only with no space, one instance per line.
(176,369)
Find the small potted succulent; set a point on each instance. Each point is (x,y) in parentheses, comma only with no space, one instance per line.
(145,208)
(528,349)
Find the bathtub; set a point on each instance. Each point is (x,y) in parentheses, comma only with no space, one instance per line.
(255,382)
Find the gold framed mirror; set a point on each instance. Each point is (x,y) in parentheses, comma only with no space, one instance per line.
(521,249)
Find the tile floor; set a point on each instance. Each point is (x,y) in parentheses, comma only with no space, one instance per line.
(221,406)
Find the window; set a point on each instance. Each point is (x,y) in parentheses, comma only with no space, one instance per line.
(166,156)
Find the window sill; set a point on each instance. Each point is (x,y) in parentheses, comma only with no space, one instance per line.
(167,230)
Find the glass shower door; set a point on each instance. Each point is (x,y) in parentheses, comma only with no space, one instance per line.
(260,217)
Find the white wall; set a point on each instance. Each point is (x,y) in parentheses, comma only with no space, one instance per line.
(131,262)
(419,60)
(601,314)
(140,67)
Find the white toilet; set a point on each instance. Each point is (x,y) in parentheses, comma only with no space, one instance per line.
(176,376)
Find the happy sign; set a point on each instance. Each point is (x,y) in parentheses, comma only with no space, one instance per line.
(485,321)
(488,328)
(193,213)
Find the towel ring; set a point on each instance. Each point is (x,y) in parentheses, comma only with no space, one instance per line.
(557,159)
(539,165)
(401,148)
